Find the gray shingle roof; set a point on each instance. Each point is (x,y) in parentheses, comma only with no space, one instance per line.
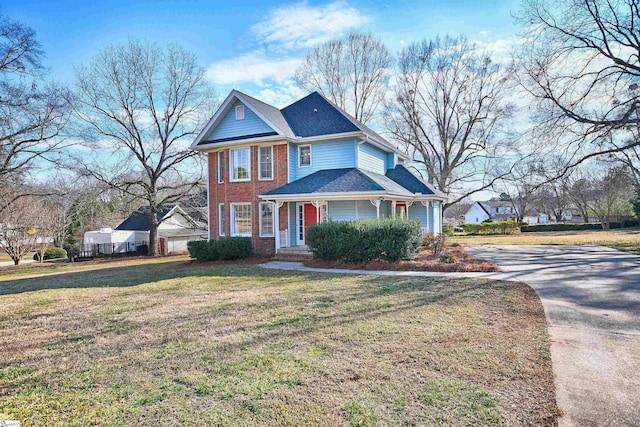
(139,220)
(408,180)
(313,115)
(342,181)
(271,113)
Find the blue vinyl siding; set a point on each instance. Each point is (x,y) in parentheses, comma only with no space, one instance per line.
(418,212)
(366,210)
(292,224)
(229,127)
(391,160)
(431,218)
(372,159)
(324,155)
(342,210)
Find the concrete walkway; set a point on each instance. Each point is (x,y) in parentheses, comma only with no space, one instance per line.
(591,297)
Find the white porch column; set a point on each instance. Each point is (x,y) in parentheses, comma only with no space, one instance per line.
(276,224)
(426,205)
(376,203)
(393,209)
(318,204)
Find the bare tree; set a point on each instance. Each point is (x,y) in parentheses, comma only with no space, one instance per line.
(581,193)
(580,62)
(352,72)
(142,105)
(19,222)
(450,111)
(32,112)
(612,196)
(554,198)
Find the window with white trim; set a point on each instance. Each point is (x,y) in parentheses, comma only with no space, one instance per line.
(221,223)
(241,219)
(240,161)
(239,112)
(220,167)
(265,163)
(266,219)
(304,155)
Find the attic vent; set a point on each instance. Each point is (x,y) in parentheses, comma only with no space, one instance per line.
(239,112)
(315,110)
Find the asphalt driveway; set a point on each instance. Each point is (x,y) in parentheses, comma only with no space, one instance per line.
(591,296)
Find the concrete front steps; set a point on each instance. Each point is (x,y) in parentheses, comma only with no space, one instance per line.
(293,254)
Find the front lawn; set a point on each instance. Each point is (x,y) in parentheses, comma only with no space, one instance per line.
(626,239)
(177,343)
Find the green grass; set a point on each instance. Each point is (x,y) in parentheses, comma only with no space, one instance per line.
(175,343)
(627,239)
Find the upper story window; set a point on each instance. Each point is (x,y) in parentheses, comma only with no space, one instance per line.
(240,161)
(265,163)
(239,112)
(220,167)
(304,155)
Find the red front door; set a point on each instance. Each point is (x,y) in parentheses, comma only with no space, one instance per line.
(309,218)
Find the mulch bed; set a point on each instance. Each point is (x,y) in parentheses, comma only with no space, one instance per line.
(424,261)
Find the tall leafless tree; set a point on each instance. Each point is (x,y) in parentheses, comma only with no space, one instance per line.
(141,105)
(19,225)
(33,113)
(450,114)
(352,72)
(612,195)
(580,62)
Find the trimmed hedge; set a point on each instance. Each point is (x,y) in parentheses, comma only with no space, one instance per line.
(365,240)
(51,253)
(502,227)
(576,227)
(213,250)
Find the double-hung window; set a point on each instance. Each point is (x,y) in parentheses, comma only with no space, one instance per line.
(221,223)
(265,163)
(240,164)
(304,155)
(220,167)
(241,219)
(266,219)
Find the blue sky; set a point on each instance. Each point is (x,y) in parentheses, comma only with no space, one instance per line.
(252,45)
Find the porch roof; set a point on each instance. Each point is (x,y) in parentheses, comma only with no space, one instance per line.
(341,183)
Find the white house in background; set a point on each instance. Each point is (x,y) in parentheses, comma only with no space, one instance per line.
(176,228)
(501,210)
(495,210)
(533,218)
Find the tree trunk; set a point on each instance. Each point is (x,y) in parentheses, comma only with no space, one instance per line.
(153,234)
(16,260)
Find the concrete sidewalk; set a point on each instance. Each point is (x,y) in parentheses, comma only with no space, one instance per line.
(10,263)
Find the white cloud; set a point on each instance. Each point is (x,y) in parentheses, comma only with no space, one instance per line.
(302,26)
(252,67)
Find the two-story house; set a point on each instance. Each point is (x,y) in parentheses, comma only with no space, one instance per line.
(272,173)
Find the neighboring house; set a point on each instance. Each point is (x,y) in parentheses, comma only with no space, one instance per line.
(176,228)
(273,173)
(535,217)
(501,210)
(494,210)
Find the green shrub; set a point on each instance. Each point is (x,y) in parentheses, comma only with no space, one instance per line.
(502,227)
(234,247)
(448,258)
(455,245)
(201,250)
(51,253)
(577,227)
(366,240)
(436,243)
(213,250)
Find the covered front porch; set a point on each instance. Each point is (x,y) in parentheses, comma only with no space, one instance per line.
(303,212)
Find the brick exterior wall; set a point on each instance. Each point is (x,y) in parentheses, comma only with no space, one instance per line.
(243,192)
